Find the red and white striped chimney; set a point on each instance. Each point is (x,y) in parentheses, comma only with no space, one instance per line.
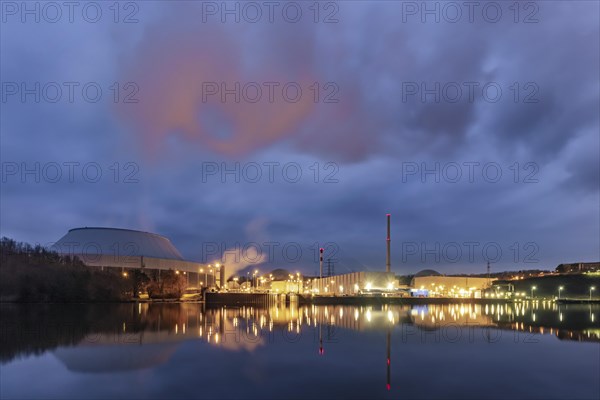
(388,265)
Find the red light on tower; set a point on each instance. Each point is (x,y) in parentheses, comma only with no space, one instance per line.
(320,268)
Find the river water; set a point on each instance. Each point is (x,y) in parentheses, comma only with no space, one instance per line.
(527,350)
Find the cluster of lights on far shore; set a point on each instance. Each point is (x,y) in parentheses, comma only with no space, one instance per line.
(260,282)
(295,283)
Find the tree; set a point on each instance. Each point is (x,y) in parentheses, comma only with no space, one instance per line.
(170,285)
(139,282)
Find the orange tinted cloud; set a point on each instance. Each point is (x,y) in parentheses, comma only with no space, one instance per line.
(172,68)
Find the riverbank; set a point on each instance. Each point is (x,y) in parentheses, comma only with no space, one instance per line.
(267,299)
(371,300)
(578,301)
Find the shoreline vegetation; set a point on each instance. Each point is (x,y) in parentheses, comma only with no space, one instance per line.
(33,274)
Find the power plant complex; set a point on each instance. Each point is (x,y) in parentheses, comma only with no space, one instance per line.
(356,283)
(127,249)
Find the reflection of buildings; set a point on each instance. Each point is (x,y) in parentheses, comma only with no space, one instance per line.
(435,316)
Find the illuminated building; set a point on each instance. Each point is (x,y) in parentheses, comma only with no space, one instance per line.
(438,285)
(363,282)
(578,268)
(288,286)
(127,249)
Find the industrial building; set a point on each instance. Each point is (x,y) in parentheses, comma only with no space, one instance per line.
(431,283)
(426,283)
(353,283)
(127,249)
(578,268)
(288,286)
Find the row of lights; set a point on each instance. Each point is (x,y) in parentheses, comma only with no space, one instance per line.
(560,288)
(533,288)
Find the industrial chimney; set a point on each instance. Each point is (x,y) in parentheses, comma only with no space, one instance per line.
(222,282)
(387,258)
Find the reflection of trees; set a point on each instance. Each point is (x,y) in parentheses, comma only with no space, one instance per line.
(33,330)
(27,329)
(165,316)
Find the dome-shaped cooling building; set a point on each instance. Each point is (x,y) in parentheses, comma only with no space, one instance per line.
(123,248)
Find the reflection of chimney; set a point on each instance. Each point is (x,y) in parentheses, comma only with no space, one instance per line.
(387,258)
(389,378)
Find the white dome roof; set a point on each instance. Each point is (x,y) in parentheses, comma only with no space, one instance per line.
(118,242)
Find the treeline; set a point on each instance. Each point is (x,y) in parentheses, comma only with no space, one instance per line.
(36,274)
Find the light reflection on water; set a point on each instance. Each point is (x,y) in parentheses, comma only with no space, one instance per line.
(276,351)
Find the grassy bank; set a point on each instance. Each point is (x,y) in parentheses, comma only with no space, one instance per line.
(574,286)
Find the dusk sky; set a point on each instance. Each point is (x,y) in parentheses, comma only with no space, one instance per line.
(504,106)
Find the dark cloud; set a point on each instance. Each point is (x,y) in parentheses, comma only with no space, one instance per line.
(375,128)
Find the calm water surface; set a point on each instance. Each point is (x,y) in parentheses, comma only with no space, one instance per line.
(530,350)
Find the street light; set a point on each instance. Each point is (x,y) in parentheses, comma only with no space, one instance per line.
(591,290)
(532,289)
(559,289)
